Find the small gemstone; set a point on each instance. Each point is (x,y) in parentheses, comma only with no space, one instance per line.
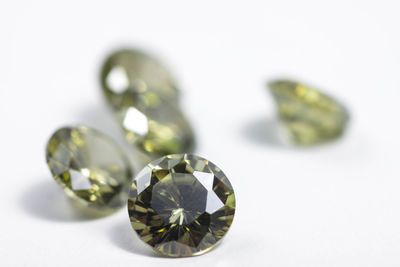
(144,99)
(128,72)
(310,116)
(90,167)
(181,205)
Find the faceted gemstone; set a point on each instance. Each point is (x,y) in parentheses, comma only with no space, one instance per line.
(128,72)
(181,205)
(90,167)
(145,100)
(156,126)
(311,116)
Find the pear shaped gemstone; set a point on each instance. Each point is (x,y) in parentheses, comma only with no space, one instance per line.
(90,167)
(181,205)
(312,117)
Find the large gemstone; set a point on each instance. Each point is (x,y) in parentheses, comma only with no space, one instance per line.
(311,116)
(181,205)
(90,167)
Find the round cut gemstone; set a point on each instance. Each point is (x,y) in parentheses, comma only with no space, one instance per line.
(127,72)
(144,99)
(90,167)
(181,205)
(311,116)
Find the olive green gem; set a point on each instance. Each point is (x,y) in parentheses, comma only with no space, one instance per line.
(147,105)
(181,205)
(311,116)
(90,167)
(127,72)
(156,126)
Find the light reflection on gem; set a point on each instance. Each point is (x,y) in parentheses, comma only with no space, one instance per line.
(80,180)
(117,80)
(136,122)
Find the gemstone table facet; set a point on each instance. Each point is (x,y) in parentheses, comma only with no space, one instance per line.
(310,116)
(181,205)
(90,167)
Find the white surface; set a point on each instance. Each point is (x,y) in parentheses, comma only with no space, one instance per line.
(336,205)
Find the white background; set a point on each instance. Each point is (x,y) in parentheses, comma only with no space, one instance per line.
(333,205)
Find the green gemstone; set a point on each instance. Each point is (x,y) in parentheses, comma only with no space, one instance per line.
(90,167)
(311,116)
(156,126)
(146,107)
(181,205)
(128,72)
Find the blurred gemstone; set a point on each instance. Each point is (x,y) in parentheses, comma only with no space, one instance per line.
(156,126)
(311,116)
(90,167)
(128,72)
(181,205)
(145,101)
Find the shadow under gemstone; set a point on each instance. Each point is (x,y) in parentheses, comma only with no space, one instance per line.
(47,201)
(124,237)
(265,131)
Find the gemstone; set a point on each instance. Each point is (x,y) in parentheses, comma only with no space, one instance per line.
(156,126)
(144,99)
(181,205)
(90,167)
(311,116)
(127,72)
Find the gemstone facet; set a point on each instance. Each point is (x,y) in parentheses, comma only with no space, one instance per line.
(181,205)
(90,167)
(311,116)
(147,105)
